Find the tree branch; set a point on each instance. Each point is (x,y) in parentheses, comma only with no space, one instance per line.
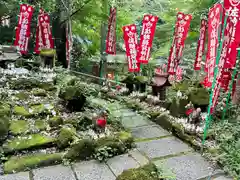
(75,12)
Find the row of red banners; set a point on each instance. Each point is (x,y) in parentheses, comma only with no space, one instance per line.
(44,37)
(180,34)
(139,53)
(225,34)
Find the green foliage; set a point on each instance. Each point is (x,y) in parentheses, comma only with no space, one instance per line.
(55,121)
(4,126)
(65,137)
(147,172)
(227,135)
(82,150)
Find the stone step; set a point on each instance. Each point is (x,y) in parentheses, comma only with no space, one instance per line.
(222,178)
(189,167)
(147,132)
(120,163)
(18,176)
(58,172)
(136,121)
(161,148)
(89,170)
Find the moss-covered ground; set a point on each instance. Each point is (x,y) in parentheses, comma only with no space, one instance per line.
(40,124)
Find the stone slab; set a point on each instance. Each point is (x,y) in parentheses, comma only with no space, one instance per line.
(188,167)
(18,176)
(162,147)
(90,170)
(128,112)
(147,132)
(223,178)
(137,156)
(136,121)
(59,172)
(120,163)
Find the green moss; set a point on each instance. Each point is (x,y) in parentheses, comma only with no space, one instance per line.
(27,142)
(183,86)
(126,138)
(163,121)
(4,126)
(22,96)
(199,96)
(141,79)
(47,86)
(82,150)
(22,163)
(19,127)
(148,172)
(40,125)
(55,121)
(174,108)
(48,52)
(5,109)
(72,121)
(39,92)
(37,109)
(21,111)
(65,137)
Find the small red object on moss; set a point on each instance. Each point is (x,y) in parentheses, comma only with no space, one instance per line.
(189,111)
(101,122)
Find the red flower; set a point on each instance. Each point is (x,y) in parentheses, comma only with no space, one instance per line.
(189,111)
(118,87)
(101,122)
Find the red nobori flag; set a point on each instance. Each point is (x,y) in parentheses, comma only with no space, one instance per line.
(221,71)
(179,74)
(111,35)
(180,35)
(46,31)
(232,7)
(149,24)
(23,29)
(39,44)
(213,30)
(201,45)
(130,40)
(67,47)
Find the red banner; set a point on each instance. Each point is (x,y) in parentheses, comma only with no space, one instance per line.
(23,29)
(149,24)
(179,74)
(232,7)
(130,40)
(213,30)
(224,76)
(201,45)
(111,35)
(38,44)
(46,31)
(180,34)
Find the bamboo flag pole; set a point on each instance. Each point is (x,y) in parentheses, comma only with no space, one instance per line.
(220,37)
(231,84)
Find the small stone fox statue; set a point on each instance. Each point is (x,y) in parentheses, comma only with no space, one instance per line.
(100,121)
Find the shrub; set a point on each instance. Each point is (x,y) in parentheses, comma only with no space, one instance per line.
(65,137)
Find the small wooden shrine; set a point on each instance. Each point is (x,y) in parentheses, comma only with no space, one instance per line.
(159,82)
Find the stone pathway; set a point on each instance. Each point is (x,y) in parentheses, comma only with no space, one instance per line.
(153,144)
